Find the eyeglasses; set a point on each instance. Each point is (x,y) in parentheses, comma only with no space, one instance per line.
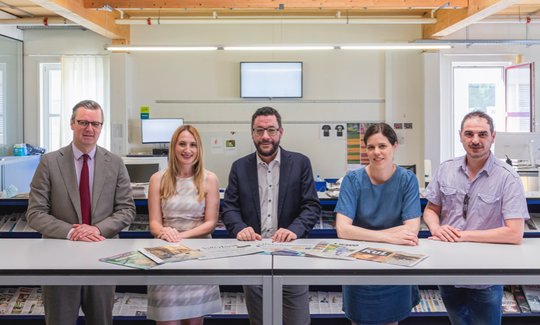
(465,206)
(85,123)
(272,131)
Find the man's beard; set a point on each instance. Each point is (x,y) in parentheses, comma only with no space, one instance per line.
(273,149)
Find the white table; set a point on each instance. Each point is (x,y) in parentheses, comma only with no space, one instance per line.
(447,263)
(63,262)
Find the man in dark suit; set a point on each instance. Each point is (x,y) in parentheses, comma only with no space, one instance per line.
(80,192)
(271,194)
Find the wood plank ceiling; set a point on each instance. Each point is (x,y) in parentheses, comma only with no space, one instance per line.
(112,18)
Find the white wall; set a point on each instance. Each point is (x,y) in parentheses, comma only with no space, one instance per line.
(339,86)
(11,31)
(433,125)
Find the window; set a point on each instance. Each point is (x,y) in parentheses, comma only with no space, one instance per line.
(502,91)
(62,85)
(477,86)
(51,103)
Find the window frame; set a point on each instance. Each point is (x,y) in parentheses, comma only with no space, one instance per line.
(45,117)
(531,95)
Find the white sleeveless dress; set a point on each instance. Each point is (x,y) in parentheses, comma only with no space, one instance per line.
(168,302)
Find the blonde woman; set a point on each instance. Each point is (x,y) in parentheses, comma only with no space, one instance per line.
(183,202)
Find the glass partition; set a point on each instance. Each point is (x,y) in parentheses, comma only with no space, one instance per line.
(11,94)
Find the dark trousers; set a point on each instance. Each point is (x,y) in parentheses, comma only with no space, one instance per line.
(295,305)
(473,306)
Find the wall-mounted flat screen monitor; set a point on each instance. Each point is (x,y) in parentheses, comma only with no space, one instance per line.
(140,169)
(159,130)
(271,79)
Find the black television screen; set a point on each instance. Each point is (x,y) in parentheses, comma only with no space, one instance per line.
(271,79)
(159,130)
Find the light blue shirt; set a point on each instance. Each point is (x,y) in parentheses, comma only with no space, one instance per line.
(379,206)
(495,194)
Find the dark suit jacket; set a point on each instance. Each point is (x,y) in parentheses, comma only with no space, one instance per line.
(298,204)
(54,203)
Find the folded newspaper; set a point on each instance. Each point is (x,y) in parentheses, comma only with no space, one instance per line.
(221,251)
(381,255)
(170,253)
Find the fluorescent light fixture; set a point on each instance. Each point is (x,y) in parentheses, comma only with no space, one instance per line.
(289,20)
(129,48)
(394,46)
(280,48)
(367,46)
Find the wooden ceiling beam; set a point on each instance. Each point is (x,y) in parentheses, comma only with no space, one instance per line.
(275,4)
(101,22)
(450,21)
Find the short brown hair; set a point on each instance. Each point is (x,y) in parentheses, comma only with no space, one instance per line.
(87,104)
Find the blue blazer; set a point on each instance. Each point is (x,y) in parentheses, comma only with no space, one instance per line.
(298,205)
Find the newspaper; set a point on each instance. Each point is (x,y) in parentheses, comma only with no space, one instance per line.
(118,298)
(221,251)
(381,255)
(322,302)
(335,250)
(133,304)
(132,259)
(170,253)
(21,301)
(287,249)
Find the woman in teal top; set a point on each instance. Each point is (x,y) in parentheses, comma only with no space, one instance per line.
(379,203)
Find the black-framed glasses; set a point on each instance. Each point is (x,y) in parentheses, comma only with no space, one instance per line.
(85,123)
(272,131)
(465,205)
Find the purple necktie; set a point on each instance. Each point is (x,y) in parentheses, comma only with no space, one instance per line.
(84,192)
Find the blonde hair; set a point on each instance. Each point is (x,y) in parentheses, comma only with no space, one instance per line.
(168,180)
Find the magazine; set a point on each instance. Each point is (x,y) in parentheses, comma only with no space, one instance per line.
(509,303)
(170,253)
(387,256)
(132,259)
(520,298)
(221,251)
(532,294)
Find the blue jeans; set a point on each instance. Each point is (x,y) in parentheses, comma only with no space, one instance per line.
(473,306)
